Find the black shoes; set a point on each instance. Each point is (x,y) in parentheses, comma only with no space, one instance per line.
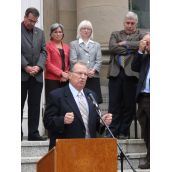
(37,138)
(144,166)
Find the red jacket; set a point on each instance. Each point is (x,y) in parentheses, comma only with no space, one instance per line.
(53,67)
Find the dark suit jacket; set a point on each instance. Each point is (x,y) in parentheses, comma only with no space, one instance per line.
(61,101)
(33,52)
(141,64)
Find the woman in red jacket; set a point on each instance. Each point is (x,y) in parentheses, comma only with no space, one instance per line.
(57,64)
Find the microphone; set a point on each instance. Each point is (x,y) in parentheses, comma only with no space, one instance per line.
(93,100)
(122,154)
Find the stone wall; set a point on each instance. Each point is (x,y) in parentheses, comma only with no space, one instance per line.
(106,16)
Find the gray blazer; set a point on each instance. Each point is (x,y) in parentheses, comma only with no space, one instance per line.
(91,55)
(33,52)
(132,44)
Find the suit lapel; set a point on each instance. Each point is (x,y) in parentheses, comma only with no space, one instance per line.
(35,37)
(91,45)
(53,45)
(84,47)
(25,34)
(147,64)
(71,102)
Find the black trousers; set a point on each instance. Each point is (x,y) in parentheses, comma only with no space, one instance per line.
(33,90)
(143,115)
(122,104)
(53,84)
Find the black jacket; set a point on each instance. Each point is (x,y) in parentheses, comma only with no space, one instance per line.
(60,102)
(141,64)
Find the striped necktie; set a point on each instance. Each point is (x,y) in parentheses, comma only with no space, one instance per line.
(123,58)
(84,112)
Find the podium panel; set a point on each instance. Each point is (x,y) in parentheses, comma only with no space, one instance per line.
(47,162)
(86,155)
(81,155)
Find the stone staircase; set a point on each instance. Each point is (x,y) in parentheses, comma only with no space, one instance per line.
(32,151)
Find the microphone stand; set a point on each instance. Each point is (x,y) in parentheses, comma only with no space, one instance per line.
(122,154)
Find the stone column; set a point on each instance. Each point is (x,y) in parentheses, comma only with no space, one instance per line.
(50,10)
(67,17)
(105,16)
(63,12)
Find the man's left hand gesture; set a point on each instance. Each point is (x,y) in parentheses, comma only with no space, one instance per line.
(107,118)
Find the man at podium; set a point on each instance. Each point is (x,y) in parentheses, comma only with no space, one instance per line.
(70,112)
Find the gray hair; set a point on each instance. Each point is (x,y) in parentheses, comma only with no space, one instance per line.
(84,23)
(54,26)
(131,15)
(81,62)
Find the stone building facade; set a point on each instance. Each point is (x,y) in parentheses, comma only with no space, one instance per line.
(106,16)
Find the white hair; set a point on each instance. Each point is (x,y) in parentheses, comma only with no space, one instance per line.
(131,15)
(84,23)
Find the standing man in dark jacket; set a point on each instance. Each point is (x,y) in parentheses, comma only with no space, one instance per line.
(141,64)
(66,116)
(33,57)
(122,79)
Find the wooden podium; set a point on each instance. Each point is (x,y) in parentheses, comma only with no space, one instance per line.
(80,155)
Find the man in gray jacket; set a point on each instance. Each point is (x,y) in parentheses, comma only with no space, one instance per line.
(33,58)
(122,79)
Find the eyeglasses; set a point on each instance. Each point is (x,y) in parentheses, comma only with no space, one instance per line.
(60,32)
(86,28)
(32,21)
(81,73)
(132,23)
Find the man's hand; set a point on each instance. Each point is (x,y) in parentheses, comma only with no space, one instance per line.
(32,70)
(122,43)
(28,69)
(68,118)
(107,118)
(35,70)
(142,46)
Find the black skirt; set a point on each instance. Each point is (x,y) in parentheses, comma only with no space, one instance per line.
(94,85)
(53,84)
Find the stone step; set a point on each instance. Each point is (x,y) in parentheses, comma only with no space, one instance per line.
(134,158)
(28,164)
(132,145)
(34,148)
(40,148)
